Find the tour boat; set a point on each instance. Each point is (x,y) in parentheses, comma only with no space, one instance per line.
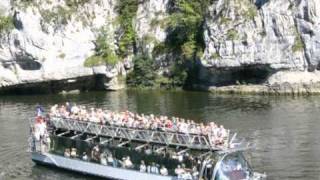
(102,150)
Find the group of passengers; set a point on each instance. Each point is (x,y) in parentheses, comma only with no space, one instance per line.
(217,134)
(107,159)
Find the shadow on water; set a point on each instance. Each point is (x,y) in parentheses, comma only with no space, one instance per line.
(284,130)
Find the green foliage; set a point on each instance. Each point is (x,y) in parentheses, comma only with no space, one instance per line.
(246,8)
(232,34)
(189,49)
(184,40)
(185,27)
(127,11)
(147,39)
(224,20)
(251,13)
(6,24)
(58,16)
(291,5)
(179,75)
(298,44)
(163,82)
(159,48)
(215,56)
(94,61)
(23,3)
(62,55)
(143,74)
(76,3)
(104,53)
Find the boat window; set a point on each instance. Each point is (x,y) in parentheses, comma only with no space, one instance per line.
(188,164)
(207,171)
(233,167)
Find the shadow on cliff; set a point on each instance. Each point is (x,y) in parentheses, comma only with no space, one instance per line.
(206,77)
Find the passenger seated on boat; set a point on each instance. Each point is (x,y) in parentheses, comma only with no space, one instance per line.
(67,152)
(73,153)
(110,160)
(63,112)
(179,171)
(177,156)
(163,171)
(95,154)
(186,176)
(122,162)
(153,169)
(103,159)
(54,110)
(187,173)
(84,156)
(127,163)
(143,167)
(75,109)
(147,150)
(195,172)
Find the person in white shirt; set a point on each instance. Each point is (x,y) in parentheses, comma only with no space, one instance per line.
(103,159)
(179,171)
(110,160)
(67,153)
(73,153)
(143,167)
(154,169)
(163,171)
(85,156)
(128,163)
(42,128)
(75,109)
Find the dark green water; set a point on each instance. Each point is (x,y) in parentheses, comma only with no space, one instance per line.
(284,130)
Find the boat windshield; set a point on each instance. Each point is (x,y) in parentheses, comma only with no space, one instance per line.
(233,167)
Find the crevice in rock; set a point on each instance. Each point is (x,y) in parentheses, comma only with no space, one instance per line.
(16,21)
(310,67)
(260,3)
(27,62)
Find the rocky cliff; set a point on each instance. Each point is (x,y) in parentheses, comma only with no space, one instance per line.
(262,45)
(265,42)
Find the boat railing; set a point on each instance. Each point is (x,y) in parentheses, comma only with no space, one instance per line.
(191,141)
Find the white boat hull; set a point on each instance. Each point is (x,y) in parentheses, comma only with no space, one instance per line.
(93,168)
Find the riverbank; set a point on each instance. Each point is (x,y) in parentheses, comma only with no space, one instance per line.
(275,89)
(91,84)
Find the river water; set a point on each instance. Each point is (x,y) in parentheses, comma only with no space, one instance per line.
(284,130)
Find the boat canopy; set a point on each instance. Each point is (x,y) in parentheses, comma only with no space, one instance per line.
(190,141)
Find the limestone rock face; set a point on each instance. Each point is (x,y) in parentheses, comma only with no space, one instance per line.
(148,27)
(257,42)
(281,36)
(44,49)
(52,40)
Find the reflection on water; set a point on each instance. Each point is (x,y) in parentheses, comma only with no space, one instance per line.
(284,130)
